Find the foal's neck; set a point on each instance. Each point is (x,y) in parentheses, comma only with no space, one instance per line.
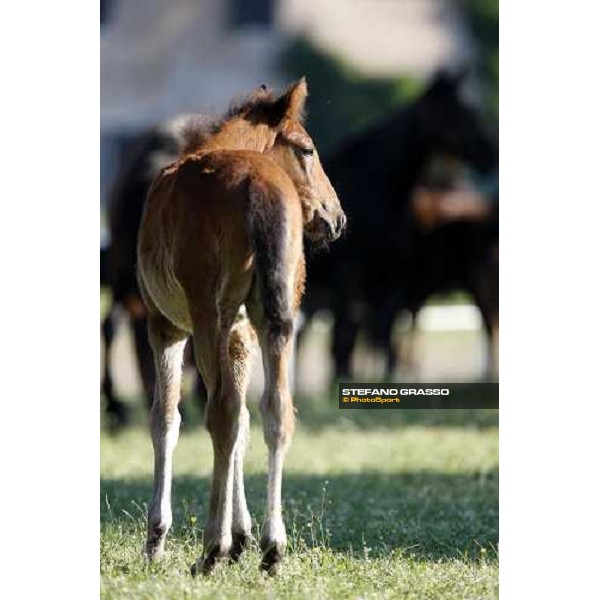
(236,136)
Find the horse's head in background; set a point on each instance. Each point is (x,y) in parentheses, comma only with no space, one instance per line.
(273,125)
(451,126)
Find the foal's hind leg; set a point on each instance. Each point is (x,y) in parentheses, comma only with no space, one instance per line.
(274,322)
(242,346)
(168,344)
(223,358)
(277,410)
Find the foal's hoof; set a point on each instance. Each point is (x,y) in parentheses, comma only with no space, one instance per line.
(155,542)
(271,559)
(216,555)
(153,550)
(241,542)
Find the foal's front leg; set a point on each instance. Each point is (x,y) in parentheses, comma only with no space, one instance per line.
(168,345)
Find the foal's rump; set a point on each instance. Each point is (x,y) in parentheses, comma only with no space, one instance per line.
(212,222)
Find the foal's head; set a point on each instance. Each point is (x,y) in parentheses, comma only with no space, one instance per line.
(295,152)
(273,125)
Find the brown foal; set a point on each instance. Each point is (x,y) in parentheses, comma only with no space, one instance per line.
(220,257)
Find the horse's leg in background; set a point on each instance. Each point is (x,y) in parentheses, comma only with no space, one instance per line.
(143,353)
(484,289)
(390,353)
(300,329)
(493,362)
(108,334)
(490,322)
(167,343)
(293,362)
(345,331)
(348,312)
(408,343)
(114,407)
(382,317)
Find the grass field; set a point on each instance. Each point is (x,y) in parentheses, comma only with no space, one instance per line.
(378,504)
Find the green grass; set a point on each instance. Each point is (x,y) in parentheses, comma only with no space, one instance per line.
(378,504)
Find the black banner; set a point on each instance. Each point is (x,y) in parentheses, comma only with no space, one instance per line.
(418,395)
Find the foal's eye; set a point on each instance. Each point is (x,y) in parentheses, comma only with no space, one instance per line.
(305,151)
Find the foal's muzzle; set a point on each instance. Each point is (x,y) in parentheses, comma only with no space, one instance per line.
(337,226)
(326,228)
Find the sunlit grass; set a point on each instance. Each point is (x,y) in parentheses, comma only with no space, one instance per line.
(377,506)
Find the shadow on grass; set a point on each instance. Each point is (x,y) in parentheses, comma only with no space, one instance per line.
(426,515)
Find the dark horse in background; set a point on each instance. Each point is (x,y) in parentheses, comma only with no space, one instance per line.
(455,249)
(388,262)
(149,154)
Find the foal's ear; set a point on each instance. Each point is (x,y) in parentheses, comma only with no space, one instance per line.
(292,103)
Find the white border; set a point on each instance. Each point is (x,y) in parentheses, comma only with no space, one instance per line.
(549,299)
(49,444)
(549,273)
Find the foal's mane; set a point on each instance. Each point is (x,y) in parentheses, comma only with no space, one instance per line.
(262,105)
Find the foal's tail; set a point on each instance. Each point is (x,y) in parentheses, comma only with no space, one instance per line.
(268,225)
